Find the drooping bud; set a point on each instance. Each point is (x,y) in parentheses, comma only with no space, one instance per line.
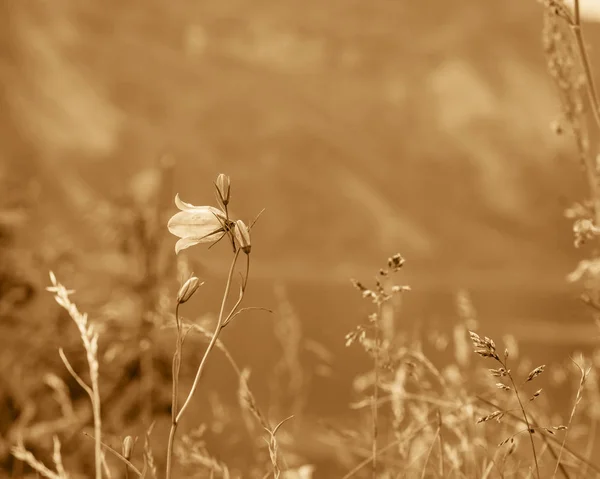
(188,289)
(127,447)
(242,236)
(223,185)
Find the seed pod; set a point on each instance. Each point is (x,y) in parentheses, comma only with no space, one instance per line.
(188,289)
(242,236)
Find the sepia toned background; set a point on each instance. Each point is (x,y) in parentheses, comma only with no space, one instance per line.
(363,129)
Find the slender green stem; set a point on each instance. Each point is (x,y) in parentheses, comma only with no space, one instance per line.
(213,340)
(97,427)
(234,310)
(175,394)
(529,428)
(441,438)
(176,415)
(584,374)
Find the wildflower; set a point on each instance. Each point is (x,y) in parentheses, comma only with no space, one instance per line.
(242,235)
(197,224)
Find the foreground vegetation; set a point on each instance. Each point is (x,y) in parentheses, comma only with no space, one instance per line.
(468,416)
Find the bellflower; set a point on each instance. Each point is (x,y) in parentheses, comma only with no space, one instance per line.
(197,224)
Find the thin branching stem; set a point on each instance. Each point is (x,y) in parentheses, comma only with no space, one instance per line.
(175,392)
(128,464)
(176,416)
(74,374)
(584,373)
(548,440)
(441,442)
(214,338)
(525,418)
(234,310)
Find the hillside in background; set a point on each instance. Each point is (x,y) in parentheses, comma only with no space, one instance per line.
(365,129)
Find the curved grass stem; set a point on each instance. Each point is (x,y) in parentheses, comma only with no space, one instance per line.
(525,418)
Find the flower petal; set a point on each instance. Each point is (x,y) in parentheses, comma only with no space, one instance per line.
(185,243)
(197,222)
(182,205)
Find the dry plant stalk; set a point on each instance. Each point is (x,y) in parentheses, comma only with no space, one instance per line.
(248,402)
(89,337)
(584,373)
(27,457)
(380,296)
(274,448)
(486,348)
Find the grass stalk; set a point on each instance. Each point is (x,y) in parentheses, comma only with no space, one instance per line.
(375,397)
(584,373)
(530,430)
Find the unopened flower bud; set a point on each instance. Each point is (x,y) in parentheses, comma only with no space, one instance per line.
(188,289)
(223,185)
(127,447)
(242,236)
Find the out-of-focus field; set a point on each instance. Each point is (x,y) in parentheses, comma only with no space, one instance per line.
(364,129)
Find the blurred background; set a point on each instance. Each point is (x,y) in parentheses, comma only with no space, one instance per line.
(363,128)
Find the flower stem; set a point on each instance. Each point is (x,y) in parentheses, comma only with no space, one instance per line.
(175,393)
(176,416)
(213,340)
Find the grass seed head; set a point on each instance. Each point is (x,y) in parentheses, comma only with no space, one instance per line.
(535,394)
(497,415)
(535,373)
(485,347)
(396,262)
